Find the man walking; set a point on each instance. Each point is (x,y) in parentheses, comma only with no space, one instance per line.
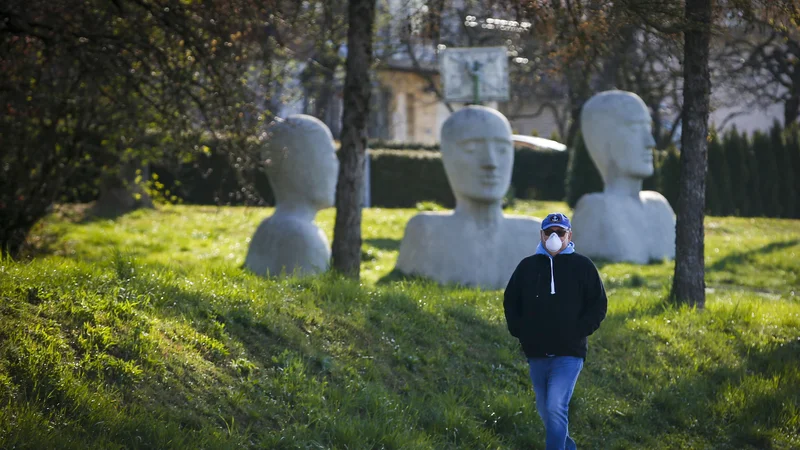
(553,302)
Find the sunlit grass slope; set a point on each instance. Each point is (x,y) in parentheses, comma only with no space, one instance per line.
(143,332)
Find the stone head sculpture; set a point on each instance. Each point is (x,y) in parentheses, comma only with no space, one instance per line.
(478,154)
(301,162)
(617,130)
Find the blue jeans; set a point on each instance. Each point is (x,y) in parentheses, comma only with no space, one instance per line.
(553,382)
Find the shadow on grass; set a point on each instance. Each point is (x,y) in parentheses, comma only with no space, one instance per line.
(600,263)
(425,355)
(420,349)
(40,243)
(414,352)
(384,244)
(746,421)
(42,240)
(746,257)
(396,276)
(741,405)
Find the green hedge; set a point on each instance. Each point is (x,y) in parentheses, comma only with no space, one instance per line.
(582,177)
(379,144)
(747,176)
(539,174)
(398,179)
(211,180)
(402,178)
(754,176)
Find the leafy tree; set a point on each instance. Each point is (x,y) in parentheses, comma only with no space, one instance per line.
(90,82)
(325,24)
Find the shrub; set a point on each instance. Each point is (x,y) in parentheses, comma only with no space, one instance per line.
(746,177)
(379,144)
(403,178)
(211,180)
(539,174)
(582,175)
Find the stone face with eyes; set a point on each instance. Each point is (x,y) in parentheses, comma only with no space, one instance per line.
(475,245)
(618,133)
(478,154)
(622,223)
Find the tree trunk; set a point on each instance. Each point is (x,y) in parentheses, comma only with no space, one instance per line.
(350,187)
(791,110)
(689,279)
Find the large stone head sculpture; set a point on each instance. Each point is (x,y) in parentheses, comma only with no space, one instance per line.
(617,130)
(478,154)
(301,162)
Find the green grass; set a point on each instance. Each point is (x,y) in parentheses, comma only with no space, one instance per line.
(145,333)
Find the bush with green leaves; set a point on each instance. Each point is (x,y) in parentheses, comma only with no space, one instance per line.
(754,176)
(403,178)
(539,174)
(582,177)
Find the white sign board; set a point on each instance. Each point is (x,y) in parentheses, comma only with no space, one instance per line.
(474,74)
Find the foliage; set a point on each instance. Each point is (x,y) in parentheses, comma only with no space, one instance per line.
(145,332)
(582,177)
(98,86)
(753,176)
(379,144)
(734,185)
(401,178)
(667,173)
(539,174)
(717,179)
(213,179)
(747,176)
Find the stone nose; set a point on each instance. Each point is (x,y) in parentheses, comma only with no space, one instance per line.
(489,158)
(650,142)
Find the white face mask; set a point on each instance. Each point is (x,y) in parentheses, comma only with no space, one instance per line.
(553,243)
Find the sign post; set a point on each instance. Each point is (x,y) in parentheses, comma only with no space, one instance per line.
(474,74)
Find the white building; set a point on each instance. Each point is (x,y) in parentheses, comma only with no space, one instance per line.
(406,104)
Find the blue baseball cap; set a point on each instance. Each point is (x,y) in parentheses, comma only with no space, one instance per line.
(556,220)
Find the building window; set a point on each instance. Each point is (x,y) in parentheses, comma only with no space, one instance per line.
(411,118)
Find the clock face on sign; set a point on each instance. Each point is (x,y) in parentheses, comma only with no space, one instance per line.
(460,67)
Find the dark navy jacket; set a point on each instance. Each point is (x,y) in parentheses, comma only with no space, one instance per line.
(555,324)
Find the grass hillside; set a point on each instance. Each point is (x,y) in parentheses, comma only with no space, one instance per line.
(143,332)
